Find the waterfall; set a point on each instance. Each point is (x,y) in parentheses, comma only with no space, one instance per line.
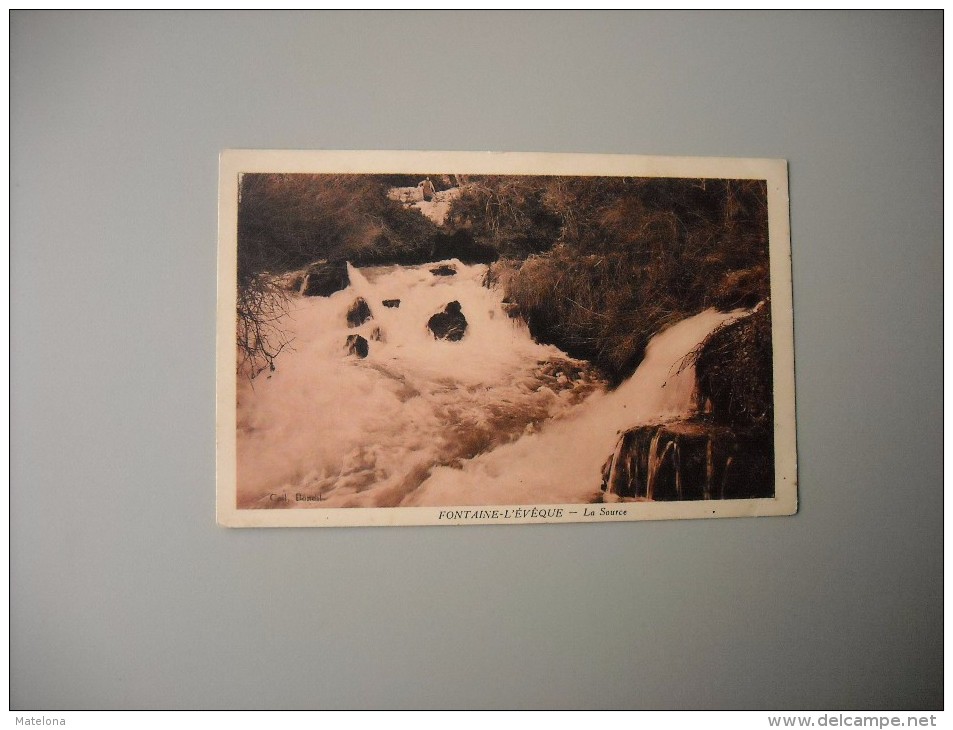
(664,454)
(564,461)
(408,419)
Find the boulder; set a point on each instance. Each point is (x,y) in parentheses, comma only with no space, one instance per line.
(391,303)
(323,278)
(356,345)
(377,334)
(450,324)
(445,270)
(358,313)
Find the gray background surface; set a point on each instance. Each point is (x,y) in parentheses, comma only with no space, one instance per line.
(124,593)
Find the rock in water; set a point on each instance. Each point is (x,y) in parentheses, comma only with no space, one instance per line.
(356,345)
(391,303)
(444,270)
(324,278)
(358,313)
(450,324)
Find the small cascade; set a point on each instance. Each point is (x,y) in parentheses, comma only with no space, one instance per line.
(564,460)
(689,455)
(687,459)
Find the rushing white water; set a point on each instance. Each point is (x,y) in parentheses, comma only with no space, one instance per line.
(562,462)
(367,432)
(492,419)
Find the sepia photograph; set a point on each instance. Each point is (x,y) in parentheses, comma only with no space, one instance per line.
(467,338)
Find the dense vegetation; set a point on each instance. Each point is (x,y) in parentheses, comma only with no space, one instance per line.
(734,367)
(287,221)
(595,265)
(598,265)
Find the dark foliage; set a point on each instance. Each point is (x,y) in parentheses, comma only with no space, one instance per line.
(460,244)
(598,265)
(734,368)
(507,214)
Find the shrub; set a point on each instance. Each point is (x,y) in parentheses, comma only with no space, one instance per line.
(734,369)
(508,214)
(261,303)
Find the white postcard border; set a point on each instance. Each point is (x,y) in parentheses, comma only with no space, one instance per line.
(234,162)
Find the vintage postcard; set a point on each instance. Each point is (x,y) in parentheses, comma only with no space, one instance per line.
(426,338)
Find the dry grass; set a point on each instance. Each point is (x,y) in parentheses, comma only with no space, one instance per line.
(631,257)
